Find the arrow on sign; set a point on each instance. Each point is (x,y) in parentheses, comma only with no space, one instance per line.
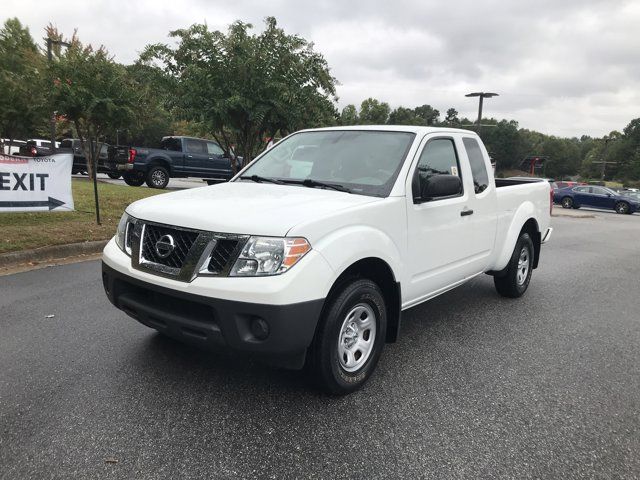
(50,202)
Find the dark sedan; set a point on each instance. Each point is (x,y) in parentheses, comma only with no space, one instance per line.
(595,197)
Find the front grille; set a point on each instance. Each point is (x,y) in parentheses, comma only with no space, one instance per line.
(183,241)
(221,255)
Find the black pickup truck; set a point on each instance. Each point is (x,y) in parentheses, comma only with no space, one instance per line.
(177,157)
(73,145)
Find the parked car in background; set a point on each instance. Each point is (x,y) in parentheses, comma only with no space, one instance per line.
(176,157)
(36,147)
(11,147)
(566,183)
(551,181)
(633,194)
(595,197)
(73,145)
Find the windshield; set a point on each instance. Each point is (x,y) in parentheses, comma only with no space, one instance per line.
(366,162)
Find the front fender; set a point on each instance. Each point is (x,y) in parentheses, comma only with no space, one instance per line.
(345,246)
(524,212)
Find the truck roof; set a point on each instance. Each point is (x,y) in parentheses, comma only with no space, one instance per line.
(190,138)
(397,128)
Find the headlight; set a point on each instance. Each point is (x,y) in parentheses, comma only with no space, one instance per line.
(123,239)
(269,256)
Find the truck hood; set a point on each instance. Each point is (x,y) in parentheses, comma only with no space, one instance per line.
(244,207)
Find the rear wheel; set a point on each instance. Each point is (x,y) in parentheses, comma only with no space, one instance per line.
(516,279)
(157,177)
(567,202)
(114,175)
(134,179)
(350,337)
(622,208)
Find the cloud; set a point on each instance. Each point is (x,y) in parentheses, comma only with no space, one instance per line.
(567,68)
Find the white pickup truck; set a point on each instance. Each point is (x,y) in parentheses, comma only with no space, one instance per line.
(310,254)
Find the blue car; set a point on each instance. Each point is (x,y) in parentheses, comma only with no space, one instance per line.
(595,197)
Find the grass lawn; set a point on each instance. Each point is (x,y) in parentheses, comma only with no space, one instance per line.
(21,231)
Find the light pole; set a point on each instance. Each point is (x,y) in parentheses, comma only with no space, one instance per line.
(50,43)
(482,96)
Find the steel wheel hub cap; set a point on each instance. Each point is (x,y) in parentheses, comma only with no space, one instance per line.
(523,266)
(357,337)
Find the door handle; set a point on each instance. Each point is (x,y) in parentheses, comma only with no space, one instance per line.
(464,213)
(189,156)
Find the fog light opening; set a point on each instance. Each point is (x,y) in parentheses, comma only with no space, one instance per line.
(259,328)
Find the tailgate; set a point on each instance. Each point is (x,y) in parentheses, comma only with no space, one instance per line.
(119,154)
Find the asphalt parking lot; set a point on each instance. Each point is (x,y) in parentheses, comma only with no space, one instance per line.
(478,386)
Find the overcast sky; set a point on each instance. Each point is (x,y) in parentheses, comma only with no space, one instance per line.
(564,67)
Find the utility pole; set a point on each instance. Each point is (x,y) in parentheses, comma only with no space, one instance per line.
(50,43)
(603,162)
(482,96)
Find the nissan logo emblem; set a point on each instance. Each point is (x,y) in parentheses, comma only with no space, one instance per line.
(165,246)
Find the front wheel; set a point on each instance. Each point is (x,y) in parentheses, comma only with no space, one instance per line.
(622,208)
(350,338)
(114,175)
(516,279)
(157,177)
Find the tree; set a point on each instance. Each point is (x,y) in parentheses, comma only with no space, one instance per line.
(153,118)
(243,87)
(403,116)
(22,101)
(374,112)
(427,114)
(452,117)
(503,143)
(94,93)
(349,115)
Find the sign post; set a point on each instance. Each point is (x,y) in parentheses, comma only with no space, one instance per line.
(36,184)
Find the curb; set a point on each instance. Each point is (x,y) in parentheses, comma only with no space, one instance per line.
(569,215)
(55,252)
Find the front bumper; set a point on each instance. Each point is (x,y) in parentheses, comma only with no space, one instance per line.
(214,323)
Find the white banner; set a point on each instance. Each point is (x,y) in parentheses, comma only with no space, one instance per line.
(36,184)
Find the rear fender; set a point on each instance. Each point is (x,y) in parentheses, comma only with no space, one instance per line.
(525,212)
(159,160)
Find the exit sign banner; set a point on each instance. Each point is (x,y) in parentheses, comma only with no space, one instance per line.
(36,184)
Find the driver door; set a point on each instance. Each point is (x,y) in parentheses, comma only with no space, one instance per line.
(439,243)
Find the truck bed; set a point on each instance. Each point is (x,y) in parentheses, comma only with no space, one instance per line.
(507,182)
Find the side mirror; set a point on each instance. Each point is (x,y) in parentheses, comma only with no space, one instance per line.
(436,186)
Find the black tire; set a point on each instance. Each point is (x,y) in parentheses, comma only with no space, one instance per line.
(514,282)
(623,208)
(114,175)
(157,177)
(133,179)
(567,202)
(324,357)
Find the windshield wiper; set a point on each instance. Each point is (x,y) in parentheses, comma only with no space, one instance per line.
(308,182)
(259,179)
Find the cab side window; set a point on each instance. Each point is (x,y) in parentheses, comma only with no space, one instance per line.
(214,149)
(195,146)
(438,158)
(478,165)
